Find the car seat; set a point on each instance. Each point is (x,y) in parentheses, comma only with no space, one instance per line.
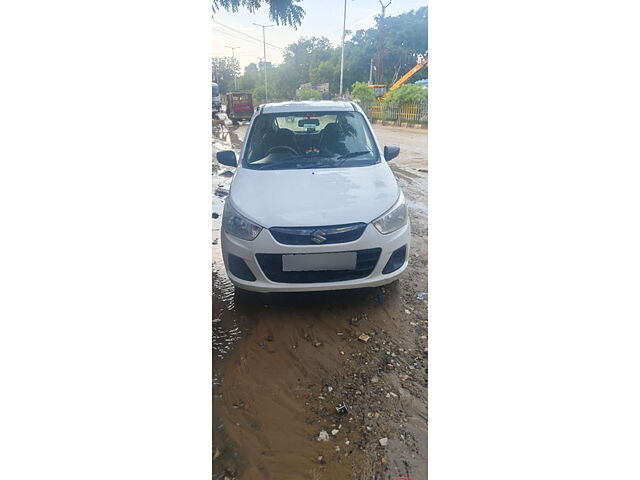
(285,138)
(332,139)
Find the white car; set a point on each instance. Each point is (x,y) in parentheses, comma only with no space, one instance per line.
(313,204)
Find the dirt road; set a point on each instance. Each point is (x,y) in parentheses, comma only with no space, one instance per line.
(283,362)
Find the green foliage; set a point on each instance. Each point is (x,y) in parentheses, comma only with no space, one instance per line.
(310,94)
(363,92)
(325,72)
(258,94)
(251,78)
(224,69)
(405,37)
(315,60)
(283,12)
(410,93)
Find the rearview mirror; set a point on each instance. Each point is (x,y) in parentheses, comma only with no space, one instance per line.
(228,158)
(391,152)
(308,123)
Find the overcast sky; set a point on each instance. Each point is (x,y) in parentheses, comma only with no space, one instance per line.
(323,18)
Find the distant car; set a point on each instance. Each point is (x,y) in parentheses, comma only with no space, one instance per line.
(423,83)
(216,104)
(313,204)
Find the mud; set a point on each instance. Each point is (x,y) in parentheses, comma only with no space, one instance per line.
(283,362)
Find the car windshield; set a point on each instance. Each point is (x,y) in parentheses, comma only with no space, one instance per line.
(287,141)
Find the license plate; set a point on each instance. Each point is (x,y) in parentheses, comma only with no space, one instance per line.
(315,262)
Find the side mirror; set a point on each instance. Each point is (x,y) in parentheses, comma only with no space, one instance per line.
(228,158)
(391,152)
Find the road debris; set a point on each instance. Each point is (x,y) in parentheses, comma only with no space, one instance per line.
(383,441)
(323,436)
(364,338)
(341,409)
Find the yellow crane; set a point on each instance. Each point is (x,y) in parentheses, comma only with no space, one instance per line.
(422,61)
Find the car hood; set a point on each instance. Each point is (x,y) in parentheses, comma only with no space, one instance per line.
(314,197)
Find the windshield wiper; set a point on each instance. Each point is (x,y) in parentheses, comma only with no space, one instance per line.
(347,156)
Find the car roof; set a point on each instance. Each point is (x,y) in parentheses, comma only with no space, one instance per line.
(308,106)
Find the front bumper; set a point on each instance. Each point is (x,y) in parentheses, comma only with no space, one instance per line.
(266,244)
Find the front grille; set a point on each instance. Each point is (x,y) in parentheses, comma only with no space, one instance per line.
(331,234)
(271,265)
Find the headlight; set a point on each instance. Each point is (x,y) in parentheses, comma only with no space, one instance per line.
(394,219)
(238,226)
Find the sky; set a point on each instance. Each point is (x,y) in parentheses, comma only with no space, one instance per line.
(323,18)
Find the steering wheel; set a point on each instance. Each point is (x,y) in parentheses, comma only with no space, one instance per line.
(282,147)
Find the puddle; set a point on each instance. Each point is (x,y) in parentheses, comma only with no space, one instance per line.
(226,331)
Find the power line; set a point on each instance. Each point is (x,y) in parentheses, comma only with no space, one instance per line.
(242,33)
(236,37)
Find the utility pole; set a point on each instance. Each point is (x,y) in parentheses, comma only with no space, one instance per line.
(264,64)
(379,54)
(233,55)
(344,25)
(371,72)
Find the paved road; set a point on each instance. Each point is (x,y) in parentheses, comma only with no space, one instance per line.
(413,144)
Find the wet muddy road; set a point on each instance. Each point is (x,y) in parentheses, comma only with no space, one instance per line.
(283,362)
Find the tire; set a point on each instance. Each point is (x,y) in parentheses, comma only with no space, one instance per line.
(235,122)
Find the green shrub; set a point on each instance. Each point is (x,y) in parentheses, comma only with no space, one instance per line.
(310,94)
(363,92)
(258,94)
(407,94)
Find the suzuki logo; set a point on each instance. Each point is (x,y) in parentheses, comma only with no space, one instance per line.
(318,237)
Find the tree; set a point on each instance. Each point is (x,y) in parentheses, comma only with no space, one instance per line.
(405,38)
(250,79)
(304,56)
(224,70)
(315,60)
(325,72)
(258,94)
(310,94)
(407,94)
(283,12)
(363,92)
